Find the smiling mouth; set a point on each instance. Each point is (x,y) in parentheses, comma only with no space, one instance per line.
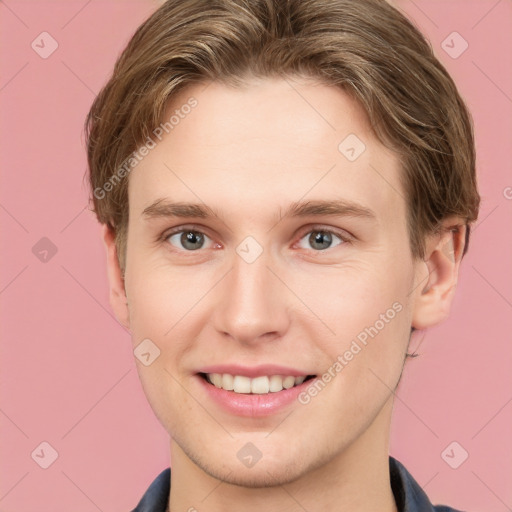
(254,386)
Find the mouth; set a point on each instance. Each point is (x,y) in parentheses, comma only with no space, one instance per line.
(259,385)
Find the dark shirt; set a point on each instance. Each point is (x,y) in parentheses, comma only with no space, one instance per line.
(409,496)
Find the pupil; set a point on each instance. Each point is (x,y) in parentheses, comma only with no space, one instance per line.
(320,237)
(191,238)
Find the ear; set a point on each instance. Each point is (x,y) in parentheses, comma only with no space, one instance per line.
(437,274)
(118,300)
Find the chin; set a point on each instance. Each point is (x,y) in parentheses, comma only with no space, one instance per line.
(262,476)
(271,470)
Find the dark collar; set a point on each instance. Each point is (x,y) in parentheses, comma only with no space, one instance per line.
(409,496)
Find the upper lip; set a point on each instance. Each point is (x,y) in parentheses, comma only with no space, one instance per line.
(254,371)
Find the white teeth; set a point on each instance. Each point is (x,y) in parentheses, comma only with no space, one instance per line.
(259,385)
(227,381)
(216,379)
(241,384)
(288,382)
(276,383)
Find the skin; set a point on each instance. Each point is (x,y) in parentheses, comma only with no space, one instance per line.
(249,152)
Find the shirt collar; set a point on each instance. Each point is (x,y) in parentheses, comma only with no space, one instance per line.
(409,496)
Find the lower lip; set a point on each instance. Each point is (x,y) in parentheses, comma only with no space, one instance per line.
(253,405)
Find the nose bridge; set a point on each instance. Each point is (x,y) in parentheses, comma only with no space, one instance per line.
(252,304)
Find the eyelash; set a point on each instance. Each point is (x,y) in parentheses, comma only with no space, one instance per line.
(343,236)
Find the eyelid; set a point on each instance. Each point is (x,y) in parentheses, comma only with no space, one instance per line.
(343,234)
(185,227)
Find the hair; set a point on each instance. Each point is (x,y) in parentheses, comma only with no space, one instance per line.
(367,48)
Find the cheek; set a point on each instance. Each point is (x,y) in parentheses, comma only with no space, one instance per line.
(159,298)
(363,368)
(369,297)
(164,308)
(369,317)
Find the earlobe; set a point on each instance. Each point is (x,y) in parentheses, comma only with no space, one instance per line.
(439,272)
(117,293)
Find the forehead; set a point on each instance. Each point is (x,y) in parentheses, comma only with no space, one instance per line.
(269,143)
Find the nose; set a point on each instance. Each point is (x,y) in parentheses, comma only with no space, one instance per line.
(252,302)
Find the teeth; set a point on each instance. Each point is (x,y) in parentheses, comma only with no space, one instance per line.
(216,379)
(241,384)
(276,383)
(258,386)
(227,381)
(288,382)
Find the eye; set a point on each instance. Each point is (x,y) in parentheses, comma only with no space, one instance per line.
(188,239)
(321,239)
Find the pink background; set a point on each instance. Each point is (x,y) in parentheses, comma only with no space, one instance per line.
(68,374)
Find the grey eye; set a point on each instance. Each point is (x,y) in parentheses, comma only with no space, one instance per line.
(187,239)
(321,239)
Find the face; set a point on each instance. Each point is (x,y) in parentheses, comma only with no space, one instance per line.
(296,272)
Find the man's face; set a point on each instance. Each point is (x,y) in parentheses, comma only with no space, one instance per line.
(212,303)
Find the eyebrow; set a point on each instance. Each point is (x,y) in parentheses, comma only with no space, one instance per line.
(164,208)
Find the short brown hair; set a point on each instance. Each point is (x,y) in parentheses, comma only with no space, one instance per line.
(368,48)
